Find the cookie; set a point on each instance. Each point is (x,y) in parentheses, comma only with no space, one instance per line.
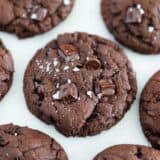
(83,84)
(134,23)
(6,70)
(150,110)
(27,18)
(128,152)
(22,143)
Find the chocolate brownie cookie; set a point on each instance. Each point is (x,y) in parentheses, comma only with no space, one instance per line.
(27,18)
(81,83)
(150,110)
(134,23)
(129,152)
(22,143)
(6,70)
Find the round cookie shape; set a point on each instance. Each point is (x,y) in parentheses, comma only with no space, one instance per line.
(6,70)
(82,83)
(22,143)
(150,110)
(27,18)
(134,23)
(128,152)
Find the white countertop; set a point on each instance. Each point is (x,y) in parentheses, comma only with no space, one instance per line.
(85,17)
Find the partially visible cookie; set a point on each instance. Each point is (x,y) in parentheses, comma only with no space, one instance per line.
(128,152)
(150,110)
(135,23)
(81,83)
(6,70)
(22,143)
(27,18)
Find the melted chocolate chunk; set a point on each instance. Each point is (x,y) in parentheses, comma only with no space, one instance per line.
(134,14)
(40,14)
(68,91)
(93,62)
(107,88)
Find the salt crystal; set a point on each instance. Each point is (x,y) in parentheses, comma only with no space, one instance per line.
(15,134)
(100,95)
(76,69)
(90,93)
(55,62)
(48,67)
(66,2)
(150,29)
(69,81)
(34,16)
(130,9)
(57,70)
(66,67)
(139,6)
(87,58)
(57,86)
(56,95)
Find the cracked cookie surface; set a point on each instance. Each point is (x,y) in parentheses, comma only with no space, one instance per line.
(83,84)
(27,18)
(134,23)
(22,143)
(6,70)
(128,152)
(150,110)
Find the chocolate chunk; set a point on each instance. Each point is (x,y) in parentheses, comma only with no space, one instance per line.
(68,91)
(104,84)
(68,52)
(40,14)
(107,88)
(93,62)
(134,15)
(68,49)
(108,92)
